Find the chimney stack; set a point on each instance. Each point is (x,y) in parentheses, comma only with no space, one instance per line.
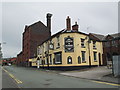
(68,23)
(49,21)
(75,27)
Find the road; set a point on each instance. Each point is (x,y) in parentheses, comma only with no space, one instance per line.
(37,78)
(7,81)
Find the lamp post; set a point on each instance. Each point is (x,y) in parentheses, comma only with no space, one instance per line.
(89,52)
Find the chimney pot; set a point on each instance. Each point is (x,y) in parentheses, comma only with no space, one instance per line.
(75,27)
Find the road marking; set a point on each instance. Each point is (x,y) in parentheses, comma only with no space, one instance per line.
(107,83)
(18,81)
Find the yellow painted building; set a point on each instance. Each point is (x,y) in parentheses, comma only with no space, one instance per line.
(69,48)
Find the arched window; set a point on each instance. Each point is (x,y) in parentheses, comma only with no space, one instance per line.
(79,60)
(69,60)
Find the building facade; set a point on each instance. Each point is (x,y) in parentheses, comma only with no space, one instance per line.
(33,35)
(69,48)
(111,47)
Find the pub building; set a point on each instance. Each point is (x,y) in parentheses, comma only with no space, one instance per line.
(68,49)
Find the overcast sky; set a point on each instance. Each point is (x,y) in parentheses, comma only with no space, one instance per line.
(98,17)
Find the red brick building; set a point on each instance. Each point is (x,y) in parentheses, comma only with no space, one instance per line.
(111,46)
(19,59)
(33,35)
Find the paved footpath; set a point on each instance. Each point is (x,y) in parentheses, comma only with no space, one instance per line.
(101,73)
(37,78)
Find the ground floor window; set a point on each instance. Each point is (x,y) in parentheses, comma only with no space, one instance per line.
(69,60)
(58,58)
(83,56)
(95,56)
(50,58)
(43,62)
(79,60)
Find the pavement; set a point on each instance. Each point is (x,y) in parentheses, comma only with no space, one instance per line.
(101,73)
(39,78)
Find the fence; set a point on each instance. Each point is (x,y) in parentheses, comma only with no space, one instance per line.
(116,65)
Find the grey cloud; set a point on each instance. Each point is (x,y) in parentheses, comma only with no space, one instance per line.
(100,17)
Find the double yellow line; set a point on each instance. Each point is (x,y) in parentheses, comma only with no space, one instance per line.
(107,83)
(13,77)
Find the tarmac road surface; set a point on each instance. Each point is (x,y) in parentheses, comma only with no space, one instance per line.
(36,78)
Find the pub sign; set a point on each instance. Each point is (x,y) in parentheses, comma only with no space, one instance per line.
(69,44)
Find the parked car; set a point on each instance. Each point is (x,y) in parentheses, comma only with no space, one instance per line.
(9,64)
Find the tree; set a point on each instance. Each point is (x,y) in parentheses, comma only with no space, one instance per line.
(0,52)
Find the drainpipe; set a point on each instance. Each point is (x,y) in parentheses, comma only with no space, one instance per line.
(48,56)
(89,51)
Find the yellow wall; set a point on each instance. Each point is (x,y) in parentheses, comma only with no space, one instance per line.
(77,50)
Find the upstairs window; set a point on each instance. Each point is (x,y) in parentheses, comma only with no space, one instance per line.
(82,43)
(58,42)
(94,44)
(114,43)
(107,44)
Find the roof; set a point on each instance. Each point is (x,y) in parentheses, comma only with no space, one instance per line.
(116,35)
(63,31)
(39,22)
(102,37)
(99,36)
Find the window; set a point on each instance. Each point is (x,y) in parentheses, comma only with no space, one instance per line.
(43,62)
(58,41)
(82,43)
(46,46)
(79,60)
(50,59)
(95,56)
(40,62)
(94,44)
(69,60)
(58,58)
(38,51)
(107,44)
(114,43)
(83,56)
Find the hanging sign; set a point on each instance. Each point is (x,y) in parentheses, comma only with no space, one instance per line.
(69,44)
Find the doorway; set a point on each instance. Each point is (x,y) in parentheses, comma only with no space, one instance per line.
(99,55)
